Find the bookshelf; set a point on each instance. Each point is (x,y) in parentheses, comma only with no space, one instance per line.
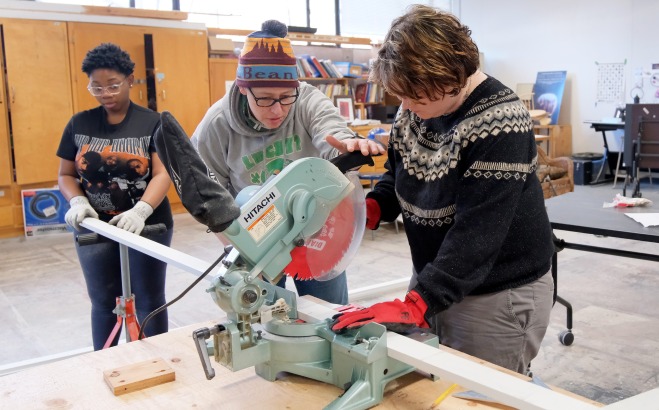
(348,87)
(312,38)
(360,108)
(331,87)
(325,75)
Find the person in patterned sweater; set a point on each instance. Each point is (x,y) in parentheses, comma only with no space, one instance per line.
(461,171)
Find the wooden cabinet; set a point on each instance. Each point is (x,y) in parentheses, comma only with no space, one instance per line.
(6,164)
(221,70)
(85,36)
(35,105)
(39,92)
(181,74)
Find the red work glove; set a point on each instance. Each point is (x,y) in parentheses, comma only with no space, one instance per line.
(372,214)
(396,316)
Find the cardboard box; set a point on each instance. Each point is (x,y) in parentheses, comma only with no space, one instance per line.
(220,45)
(348,69)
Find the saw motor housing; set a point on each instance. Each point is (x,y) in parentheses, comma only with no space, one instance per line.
(287,209)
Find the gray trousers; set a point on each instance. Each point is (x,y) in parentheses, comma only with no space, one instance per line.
(505,328)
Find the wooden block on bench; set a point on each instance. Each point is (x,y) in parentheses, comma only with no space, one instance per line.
(139,376)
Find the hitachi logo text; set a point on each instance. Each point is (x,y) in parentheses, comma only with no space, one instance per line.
(254,213)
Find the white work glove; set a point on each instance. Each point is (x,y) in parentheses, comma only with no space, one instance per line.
(80,209)
(133,219)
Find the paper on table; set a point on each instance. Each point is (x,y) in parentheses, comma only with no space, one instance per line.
(645,219)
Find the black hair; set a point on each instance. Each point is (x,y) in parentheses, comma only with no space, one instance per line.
(108,55)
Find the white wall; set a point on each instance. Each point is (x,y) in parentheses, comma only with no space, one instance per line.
(520,38)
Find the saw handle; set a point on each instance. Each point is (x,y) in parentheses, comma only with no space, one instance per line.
(200,336)
(349,160)
(92,237)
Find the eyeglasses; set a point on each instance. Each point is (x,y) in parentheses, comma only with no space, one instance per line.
(269,102)
(113,89)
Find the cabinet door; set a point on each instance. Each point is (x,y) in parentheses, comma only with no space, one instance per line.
(39,90)
(85,36)
(6,166)
(221,70)
(181,74)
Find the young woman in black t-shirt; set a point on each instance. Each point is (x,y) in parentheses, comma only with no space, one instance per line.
(109,170)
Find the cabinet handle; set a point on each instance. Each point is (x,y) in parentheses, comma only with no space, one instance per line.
(13,94)
(164,95)
(140,95)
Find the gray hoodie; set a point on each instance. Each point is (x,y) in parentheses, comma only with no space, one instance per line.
(241,155)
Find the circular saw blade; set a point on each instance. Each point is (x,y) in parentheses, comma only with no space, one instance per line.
(327,252)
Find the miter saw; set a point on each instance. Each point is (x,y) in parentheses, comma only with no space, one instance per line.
(306,222)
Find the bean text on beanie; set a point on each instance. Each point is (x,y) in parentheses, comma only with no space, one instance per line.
(267,59)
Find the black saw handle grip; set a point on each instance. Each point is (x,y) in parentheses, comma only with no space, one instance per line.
(349,160)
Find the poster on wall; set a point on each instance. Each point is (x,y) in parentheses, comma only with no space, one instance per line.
(548,92)
(610,82)
(43,211)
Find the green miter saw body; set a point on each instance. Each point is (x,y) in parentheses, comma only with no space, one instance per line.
(297,209)
(308,222)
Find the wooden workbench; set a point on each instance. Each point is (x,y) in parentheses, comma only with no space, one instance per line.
(77,383)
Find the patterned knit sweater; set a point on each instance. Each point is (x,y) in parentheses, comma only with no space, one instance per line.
(472,206)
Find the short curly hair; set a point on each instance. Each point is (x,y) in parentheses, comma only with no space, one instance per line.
(110,56)
(426,53)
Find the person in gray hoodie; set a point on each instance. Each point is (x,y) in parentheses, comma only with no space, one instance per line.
(269,119)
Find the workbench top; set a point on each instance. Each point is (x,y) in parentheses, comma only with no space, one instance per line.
(77,383)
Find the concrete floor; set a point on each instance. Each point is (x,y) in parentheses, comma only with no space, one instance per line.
(44,309)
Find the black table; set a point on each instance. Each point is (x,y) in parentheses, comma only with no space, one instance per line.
(581,211)
(603,127)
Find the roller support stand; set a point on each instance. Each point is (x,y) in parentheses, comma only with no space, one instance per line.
(566,337)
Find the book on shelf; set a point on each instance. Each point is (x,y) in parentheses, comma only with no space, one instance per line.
(331,89)
(311,67)
(303,68)
(331,69)
(368,93)
(319,66)
(373,93)
(360,93)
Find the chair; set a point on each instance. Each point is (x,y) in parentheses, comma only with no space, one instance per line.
(525,93)
(556,175)
(623,174)
(646,151)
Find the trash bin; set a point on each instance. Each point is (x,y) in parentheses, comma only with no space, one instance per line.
(583,166)
(588,166)
(589,156)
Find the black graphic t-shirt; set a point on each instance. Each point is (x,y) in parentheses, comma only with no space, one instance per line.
(114,160)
